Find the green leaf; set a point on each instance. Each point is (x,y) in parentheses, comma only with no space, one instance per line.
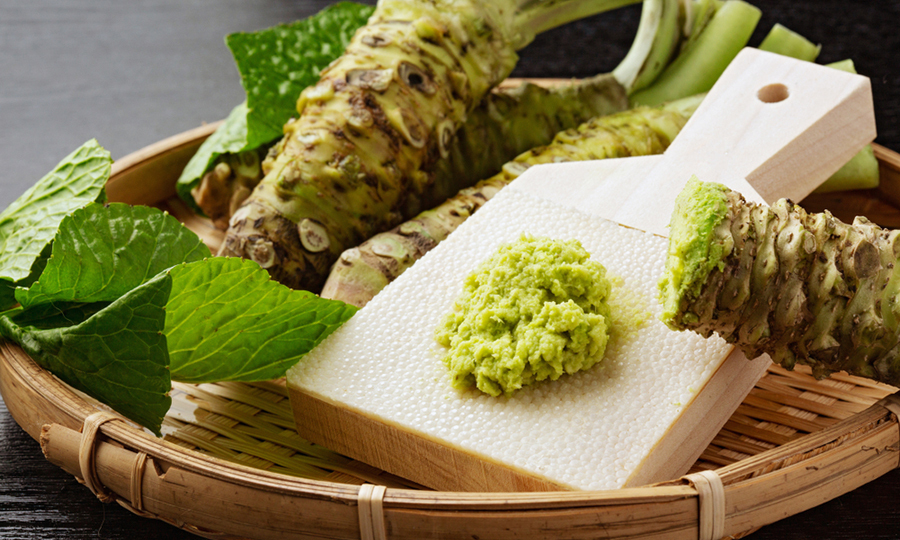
(7,293)
(29,224)
(102,252)
(8,287)
(115,352)
(784,41)
(62,314)
(275,64)
(227,320)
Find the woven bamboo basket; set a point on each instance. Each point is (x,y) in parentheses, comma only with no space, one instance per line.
(231,465)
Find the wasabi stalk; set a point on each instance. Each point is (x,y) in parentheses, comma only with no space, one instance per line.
(356,160)
(655,43)
(786,42)
(697,15)
(362,272)
(861,172)
(804,288)
(705,56)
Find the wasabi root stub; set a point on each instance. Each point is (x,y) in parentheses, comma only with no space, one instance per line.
(804,288)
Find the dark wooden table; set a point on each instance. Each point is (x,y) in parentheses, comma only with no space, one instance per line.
(130,73)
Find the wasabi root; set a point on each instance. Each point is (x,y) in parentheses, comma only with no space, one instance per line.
(507,122)
(803,288)
(356,160)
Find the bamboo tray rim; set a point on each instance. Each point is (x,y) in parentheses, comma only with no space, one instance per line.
(52,404)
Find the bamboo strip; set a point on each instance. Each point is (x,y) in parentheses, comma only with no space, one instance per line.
(823,390)
(889,171)
(794,422)
(742,445)
(747,426)
(714,460)
(878,387)
(841,381)
(837,410)
(711,495)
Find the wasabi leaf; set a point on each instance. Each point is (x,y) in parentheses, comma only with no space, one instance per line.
(227,320)
(99,309)
(29,224)
(275,64)
(8,288)
(115,352)
(59,315)
(102,252)
(7,293)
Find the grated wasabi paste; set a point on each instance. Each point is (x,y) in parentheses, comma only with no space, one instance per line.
(535,310)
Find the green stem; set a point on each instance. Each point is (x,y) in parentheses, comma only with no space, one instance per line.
(861,172)
(786,42)
(697,68)
(698,15)
(844,65)
(535,16)
(655,43)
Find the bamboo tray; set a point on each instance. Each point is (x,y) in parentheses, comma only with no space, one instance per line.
(232,466)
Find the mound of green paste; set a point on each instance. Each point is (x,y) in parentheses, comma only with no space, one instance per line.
(533,311)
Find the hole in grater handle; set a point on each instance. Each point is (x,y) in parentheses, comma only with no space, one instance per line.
(773,93)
